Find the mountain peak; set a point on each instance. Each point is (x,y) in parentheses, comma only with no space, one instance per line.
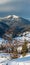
(13,16)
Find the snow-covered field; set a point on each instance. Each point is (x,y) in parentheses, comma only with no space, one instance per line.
(5,59)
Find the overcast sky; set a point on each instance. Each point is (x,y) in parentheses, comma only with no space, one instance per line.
(15,7)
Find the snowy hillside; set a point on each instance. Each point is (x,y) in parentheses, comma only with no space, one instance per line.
(19,61)
(25,35)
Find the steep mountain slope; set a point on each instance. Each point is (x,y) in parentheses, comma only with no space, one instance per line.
(3,28)
(13,24)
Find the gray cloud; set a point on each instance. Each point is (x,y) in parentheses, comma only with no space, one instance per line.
(18,7)
(4,1)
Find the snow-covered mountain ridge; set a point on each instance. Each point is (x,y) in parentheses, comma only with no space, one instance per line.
(14,24)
